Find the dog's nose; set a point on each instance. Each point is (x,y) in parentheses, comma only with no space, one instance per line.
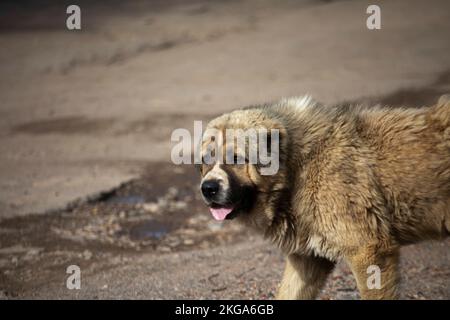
(210,188)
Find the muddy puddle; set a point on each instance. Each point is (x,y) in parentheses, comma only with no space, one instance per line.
(161,211)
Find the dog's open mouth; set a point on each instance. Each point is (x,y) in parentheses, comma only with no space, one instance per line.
(221,213)
(232,208)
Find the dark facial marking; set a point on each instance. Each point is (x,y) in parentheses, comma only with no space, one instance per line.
(241,195)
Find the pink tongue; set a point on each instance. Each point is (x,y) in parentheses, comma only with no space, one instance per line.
(220,213)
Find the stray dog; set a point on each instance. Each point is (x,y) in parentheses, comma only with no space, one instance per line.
(353,183)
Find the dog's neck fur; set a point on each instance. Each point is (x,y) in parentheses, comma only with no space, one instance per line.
(289,216)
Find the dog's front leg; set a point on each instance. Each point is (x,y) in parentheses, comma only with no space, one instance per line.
(375,270)
(303,277)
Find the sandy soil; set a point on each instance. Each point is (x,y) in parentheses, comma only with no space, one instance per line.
(86,117)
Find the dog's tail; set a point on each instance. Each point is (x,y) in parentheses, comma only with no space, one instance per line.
(443,108)
(440,113)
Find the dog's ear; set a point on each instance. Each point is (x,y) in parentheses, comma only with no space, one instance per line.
(278,134)
(274,144)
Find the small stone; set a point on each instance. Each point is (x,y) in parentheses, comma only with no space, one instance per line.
(177,205)
(164,249)
(162,203)
(174,243)
(87,255)
(172,192)
(150,207)
(198,219)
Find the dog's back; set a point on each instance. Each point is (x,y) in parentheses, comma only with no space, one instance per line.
(413,164)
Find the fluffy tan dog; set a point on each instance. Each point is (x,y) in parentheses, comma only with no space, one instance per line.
(353,183)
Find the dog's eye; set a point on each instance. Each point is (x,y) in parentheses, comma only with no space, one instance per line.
(207,158)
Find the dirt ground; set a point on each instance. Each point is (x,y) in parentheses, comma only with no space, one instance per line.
(86,118)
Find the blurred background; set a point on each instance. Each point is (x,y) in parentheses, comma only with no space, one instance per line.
(86,117)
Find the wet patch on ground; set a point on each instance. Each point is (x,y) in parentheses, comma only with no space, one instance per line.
(413,97)
(63,125)
(155,126)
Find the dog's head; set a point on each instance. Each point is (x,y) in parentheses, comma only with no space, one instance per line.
(242,164)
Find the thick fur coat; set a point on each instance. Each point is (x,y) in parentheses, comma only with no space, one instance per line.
(354,183)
